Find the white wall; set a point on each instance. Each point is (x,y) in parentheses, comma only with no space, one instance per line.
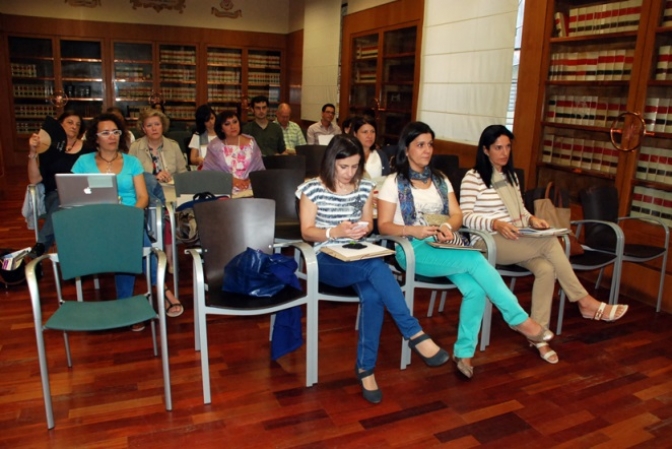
(360,5)
(257,15)
(321,42)
(466,65)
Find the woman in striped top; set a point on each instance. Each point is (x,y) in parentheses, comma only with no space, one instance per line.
(491,201)
(331,207)
(402,203)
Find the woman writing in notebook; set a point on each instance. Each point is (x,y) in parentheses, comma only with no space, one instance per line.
(331,206)
(43,168)
(403,205)
(491,201)
(104,135)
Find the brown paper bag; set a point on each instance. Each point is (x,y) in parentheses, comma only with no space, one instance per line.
(557,217)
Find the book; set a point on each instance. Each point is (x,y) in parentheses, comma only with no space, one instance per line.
(453,246)
(551,232)
(346,254)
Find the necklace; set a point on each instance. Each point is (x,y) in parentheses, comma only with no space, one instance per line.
(344,188)
(69,148)
(109,163)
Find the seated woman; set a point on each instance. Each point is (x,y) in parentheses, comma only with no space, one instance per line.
(330,207)
(376,163)
(491,201)
(43,168)
(104,136)
(233,152)
(402,201)
(205,133)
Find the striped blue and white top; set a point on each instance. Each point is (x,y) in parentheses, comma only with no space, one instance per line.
(333,209)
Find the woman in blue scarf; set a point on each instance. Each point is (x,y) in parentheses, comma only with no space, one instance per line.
(405,203)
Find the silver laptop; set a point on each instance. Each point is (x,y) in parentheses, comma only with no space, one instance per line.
(84,189)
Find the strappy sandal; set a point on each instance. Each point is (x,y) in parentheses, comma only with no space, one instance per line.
(171,306)
(542,336)
(599,313)
(548,355)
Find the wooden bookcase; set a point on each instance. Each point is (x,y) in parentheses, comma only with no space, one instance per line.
(98,64)
(582,64)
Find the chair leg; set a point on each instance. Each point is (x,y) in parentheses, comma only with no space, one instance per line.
(96,282)
(44,375)
(662,282)
(205,363)
(486,325)
(68,355)
(197,341)
(512,284)
(442,303)
(311,343)
(599,278)
(432,300)
(561,312)
(359,312)
(270,331)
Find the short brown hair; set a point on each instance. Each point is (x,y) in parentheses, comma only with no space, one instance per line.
(150,112)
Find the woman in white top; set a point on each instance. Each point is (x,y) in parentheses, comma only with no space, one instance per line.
(205,133)
(376,163)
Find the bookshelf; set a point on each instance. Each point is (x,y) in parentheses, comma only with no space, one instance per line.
(264,77)
(177,83)
(133,77)
(224,77)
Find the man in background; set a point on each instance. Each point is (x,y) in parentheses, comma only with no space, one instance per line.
(268,135)
(291,131)
(324,127)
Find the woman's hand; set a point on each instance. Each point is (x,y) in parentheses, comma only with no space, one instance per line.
(33,143)
(350,230)
(422,232)
(506,230)
(445,234)
(163,176)
(241,184)
(538,223)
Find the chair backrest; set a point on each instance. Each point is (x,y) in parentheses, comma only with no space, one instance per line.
(600,203)
(455,178)
(279,185)
(192,182)
(227,228)
(447,163)
(285,162)
(313,155)
(99,238)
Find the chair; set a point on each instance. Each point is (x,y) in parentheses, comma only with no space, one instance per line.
(182,138)
(191,183)
(227,228)
(447,163)
(83,251)
(313,155)
(285,162)
(601,203)
(280,185)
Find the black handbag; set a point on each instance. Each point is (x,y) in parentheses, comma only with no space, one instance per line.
(256,273)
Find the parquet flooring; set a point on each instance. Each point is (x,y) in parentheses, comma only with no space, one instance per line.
(611,389)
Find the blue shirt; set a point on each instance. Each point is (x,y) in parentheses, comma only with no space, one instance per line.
(125,186)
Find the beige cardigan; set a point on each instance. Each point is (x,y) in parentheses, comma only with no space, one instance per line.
(173,159)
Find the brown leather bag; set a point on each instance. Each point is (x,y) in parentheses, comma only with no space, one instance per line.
(557,216)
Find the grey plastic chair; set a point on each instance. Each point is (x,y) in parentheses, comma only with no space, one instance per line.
(280,185)
(313,155)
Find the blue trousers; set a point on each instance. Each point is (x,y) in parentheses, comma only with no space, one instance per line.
(377,290)
(476,279)
(125,283)
(46,232)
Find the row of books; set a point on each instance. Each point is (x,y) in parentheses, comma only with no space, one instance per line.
(180,112)
(179,93)
(648,202)
(135,92)
(27,127)
(224,77)
(655,164)
(263,78)
(590,66)
(232,59)
(23,70)
(178,74)
(667,14)
(263,61)
(33,110)
(602,18)
(663,65)
(366,51)
(177,56)
(658,115)
(33,90)
(584,110)
(133,71)
(586,154)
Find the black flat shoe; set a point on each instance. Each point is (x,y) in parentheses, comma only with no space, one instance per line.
(437,359)
(37,251)
(373,396)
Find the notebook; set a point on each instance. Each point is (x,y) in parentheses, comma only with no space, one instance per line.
(365,250)
(84,189)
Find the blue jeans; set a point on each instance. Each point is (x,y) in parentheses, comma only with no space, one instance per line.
(125,283)
(476,279)
(46,233)
(377,290)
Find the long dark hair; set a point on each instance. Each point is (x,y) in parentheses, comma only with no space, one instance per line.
(71,113)
(341,146)
(203,114)
(483,165)
(408,135)
(92,130)
(219,121)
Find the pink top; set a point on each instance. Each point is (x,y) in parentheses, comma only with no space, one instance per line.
(235,159)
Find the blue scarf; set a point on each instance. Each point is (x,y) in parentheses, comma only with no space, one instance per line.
(406,196)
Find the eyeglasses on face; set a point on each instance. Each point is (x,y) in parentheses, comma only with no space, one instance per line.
(116,132)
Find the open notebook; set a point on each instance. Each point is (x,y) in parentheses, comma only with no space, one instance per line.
(369,250)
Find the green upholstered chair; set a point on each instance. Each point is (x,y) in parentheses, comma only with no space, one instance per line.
(103,238)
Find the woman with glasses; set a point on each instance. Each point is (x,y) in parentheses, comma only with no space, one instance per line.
(43,168)
(104,136)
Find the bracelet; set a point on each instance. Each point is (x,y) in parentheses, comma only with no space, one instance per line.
(403,231)
(329,236)
(32,155)
(447,224)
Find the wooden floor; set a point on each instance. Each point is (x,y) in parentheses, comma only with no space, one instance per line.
(612,387)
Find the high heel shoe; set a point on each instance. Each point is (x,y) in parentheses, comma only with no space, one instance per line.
(373,396)
(550,356)
(467,371)
(544,335)
(437,359)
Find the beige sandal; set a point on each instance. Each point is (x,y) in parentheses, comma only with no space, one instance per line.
(599,313)
(548,355)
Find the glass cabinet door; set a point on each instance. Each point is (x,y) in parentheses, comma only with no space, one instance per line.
(263,77)
(363,90)
(32,72)
(82,76)
(224,78)
(177,75)
(133,77)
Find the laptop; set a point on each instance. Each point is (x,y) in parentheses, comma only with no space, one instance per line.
(90,188)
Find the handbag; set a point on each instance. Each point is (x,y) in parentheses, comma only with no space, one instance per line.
(557,216)
(256,273)
(185,221)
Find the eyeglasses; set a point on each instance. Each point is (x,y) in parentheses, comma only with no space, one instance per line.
(116,132)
